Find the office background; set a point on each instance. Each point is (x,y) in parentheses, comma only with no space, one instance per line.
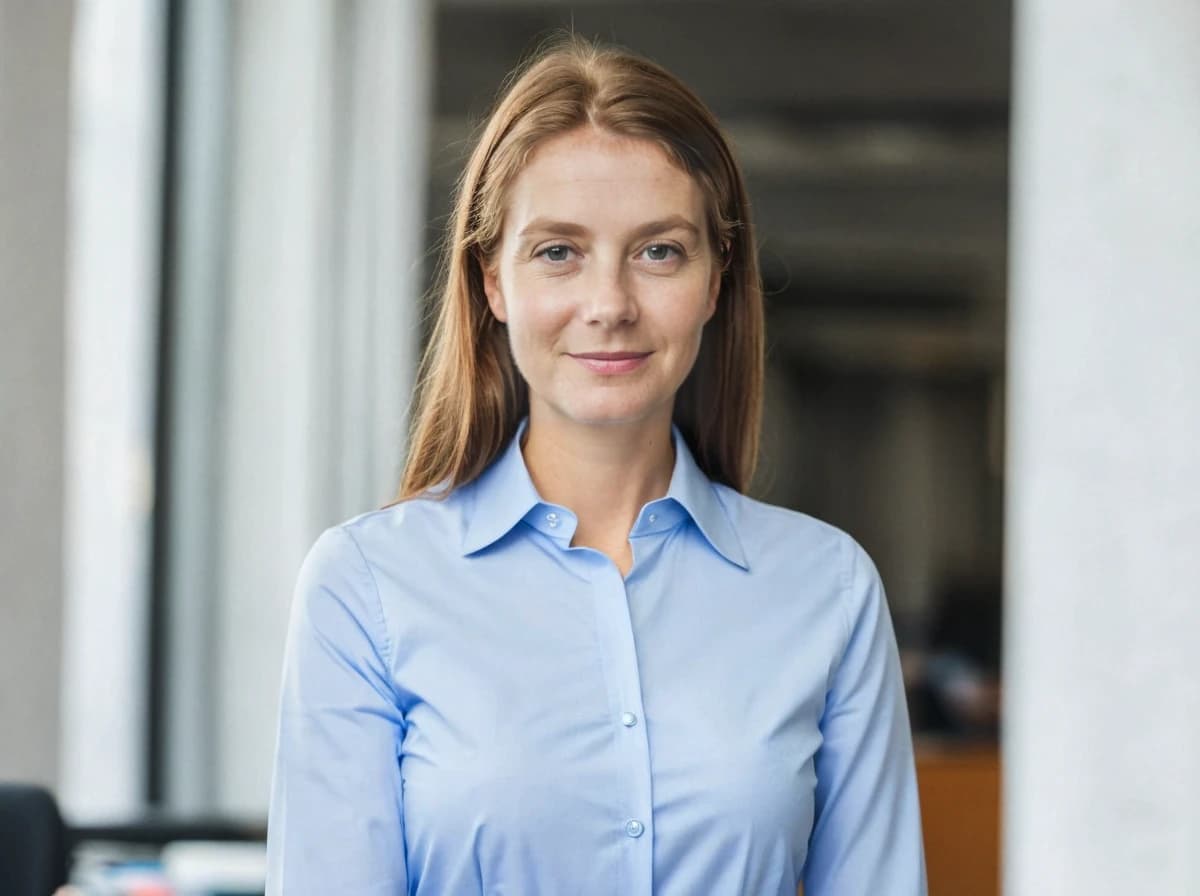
(979,230)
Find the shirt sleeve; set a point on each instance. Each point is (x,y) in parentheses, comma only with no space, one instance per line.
(336,817)
(866,836)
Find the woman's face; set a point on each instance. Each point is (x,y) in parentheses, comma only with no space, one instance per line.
(605,278)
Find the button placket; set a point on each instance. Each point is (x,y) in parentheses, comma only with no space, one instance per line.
(634,798)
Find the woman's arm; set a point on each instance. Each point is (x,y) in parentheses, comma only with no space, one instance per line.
(866,836)
(336,818)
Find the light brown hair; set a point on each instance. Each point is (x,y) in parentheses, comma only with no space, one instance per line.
(470,396)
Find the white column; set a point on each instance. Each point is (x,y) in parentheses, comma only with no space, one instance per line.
(1102,737)
(111,348)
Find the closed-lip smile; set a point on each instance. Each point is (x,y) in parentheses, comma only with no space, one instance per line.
(611,363)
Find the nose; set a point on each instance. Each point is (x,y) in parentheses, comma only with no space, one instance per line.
(610,297)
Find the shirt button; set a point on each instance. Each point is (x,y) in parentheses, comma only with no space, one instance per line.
(634,828)
(628,719)
(654,517)
(552,519)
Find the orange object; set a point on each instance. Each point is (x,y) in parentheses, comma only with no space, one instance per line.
(960,815)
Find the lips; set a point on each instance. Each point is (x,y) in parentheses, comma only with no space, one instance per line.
(608,363)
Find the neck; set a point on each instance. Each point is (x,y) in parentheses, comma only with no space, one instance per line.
(603,474)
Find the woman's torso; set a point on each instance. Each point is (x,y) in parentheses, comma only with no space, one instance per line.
(578,732)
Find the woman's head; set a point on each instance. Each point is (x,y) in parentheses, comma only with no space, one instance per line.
(551,232)
(604,277)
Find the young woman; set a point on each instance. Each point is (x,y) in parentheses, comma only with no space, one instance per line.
(574,657)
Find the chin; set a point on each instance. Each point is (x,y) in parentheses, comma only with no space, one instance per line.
(610,412)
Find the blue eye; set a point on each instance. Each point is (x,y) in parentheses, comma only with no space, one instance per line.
(660,252)
(555,253)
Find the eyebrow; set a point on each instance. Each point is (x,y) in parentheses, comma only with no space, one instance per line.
(568,228)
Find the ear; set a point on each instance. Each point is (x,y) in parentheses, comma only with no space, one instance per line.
(491,288)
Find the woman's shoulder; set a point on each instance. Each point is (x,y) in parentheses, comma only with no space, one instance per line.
(819,562)
(755,518)
(782,539)
(355,564)
(421,524)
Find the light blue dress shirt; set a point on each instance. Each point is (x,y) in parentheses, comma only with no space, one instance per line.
(472,706)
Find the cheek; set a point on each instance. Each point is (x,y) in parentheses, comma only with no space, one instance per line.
(536,319)
(688,313)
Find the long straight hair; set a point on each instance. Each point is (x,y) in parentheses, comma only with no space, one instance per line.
(469,396)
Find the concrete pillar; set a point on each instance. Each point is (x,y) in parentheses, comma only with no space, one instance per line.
(1102,737)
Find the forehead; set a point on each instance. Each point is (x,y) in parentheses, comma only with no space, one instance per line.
(592,174)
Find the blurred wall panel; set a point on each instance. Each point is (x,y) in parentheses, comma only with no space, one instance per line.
(35,43)
(192,421)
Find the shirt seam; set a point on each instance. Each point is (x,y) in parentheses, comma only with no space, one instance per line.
(848,565)
(385,641)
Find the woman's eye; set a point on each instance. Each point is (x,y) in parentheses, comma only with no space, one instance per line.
(660,252)
(556,253)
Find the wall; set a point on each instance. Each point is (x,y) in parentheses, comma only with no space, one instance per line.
(35,44)
(1102,744)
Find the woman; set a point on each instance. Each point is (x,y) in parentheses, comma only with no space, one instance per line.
(574,657)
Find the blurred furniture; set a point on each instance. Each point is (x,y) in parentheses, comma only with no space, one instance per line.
(33,850)
(193,854)
(960,814)
(156,827)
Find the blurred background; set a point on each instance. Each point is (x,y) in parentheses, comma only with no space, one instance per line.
(219,222)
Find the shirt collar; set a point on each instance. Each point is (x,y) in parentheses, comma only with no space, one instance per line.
(697,494)
(504,495)
(500,497)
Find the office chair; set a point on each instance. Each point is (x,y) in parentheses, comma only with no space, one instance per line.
(33,848)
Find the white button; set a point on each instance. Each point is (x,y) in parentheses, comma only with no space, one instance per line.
(552,519)
(628,719)
(634,828)
(654,517)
